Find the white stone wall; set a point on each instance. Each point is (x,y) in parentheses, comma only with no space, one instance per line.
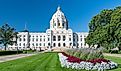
(37,40)
(81,39)
(21,42)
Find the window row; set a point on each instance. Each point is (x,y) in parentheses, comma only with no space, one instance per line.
(81,44)
(33,44)
(59,38)
(59,44)
(36,36)
(32,39)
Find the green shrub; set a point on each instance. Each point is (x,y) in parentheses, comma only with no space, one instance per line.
(9,52)
(106,51)
(119,52)
(28,51)
(114,51)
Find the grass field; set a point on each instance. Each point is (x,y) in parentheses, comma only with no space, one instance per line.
(42,62)
(117,60)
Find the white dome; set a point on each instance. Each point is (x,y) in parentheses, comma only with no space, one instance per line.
(58,20)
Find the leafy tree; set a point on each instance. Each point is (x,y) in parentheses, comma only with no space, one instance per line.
(105,29)
(116,23)
(7,34)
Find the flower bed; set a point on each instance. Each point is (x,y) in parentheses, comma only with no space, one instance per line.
(76,63)
(85,53)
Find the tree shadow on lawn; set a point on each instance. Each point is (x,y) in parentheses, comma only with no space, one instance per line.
(119,65)
(115,69)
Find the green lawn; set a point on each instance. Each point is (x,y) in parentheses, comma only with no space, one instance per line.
(41,62)
(117,60)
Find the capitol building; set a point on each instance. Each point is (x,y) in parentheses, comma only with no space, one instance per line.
(57,36)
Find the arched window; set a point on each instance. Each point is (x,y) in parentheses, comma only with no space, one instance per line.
(54,38)
(70,44)
(24,39)
(64,38)
(48,44)
(63,24)
(59,38)
(59,44)
(59,24)
(69,39)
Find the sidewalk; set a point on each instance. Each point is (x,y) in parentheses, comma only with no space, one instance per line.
(13,57)
(114,55)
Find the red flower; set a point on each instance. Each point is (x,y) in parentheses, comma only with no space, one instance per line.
(65,54)
(73,59)
(78,60)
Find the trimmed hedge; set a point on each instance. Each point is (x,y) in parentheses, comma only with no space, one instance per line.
(28,51)
(9,52)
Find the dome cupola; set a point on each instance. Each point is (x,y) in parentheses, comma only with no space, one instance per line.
(58,20)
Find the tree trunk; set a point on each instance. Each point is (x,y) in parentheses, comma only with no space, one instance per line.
(119,47)
(5,46)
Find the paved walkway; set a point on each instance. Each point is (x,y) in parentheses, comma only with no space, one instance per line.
(115,55)
(13,57)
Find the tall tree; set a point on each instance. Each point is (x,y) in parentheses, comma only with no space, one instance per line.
(7,34)
(105,29)
(116,26)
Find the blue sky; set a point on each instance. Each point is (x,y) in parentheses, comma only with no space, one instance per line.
(37,13)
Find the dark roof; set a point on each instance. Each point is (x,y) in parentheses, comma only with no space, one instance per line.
(24,31)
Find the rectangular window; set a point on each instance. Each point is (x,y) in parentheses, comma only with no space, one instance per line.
(24,44)
(36,44)
(69,39)
(33,39)
(32,44)
(80,39)
(84,35)
(19,39)
(81,44)
(19,44)
(70,44)
(24,39)
(40,39)
(24,36)
(36,39)
(80,35)
(48,39)
(84,44)
(30,36)
(40,44)
(54,38)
